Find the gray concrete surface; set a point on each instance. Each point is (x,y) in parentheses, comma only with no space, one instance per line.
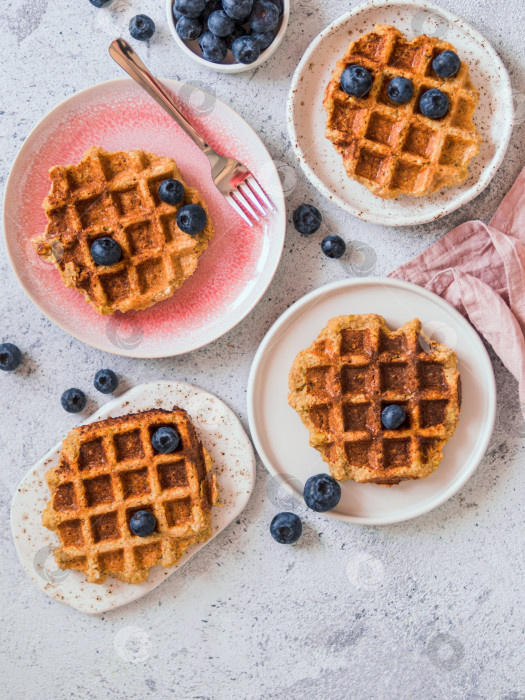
(432,608)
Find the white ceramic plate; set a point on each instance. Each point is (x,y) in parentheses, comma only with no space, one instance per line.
(230,65)
(282,440)
(306,117)
(223,436)
(232,274)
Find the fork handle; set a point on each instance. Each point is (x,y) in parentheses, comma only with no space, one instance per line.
(121,52)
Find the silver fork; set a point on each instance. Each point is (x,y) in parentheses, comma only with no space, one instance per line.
(233,179)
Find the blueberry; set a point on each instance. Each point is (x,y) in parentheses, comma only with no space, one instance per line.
(264,16)
(171,191)
(177,14)
(400,90)
(286,528)
(238,31)
(211,6)
(141,27)
(191,219)
(105,381)
(99,3)
(213,48)
(106,251)
(307,219)
(434,104)
(238,10)
(73,400)
(446,64)
(165,439)
(264,39)
(220,24)
(279,5)
(356,80)
(142,523)
(190,8)
(321,493)
(188,29)
(333,246)
(246,49)
(10,357)
(393,416)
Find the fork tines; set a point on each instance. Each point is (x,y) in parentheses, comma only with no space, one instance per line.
(249,200)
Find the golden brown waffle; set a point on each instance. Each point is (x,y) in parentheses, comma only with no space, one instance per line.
(116,194)
(355,367)
(108,471)
(393,149)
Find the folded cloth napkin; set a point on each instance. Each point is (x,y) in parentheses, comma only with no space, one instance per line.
(480,269)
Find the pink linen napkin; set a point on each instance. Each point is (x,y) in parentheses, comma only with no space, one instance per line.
(480,269)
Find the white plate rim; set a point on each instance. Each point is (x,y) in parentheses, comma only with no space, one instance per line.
(383,219)
(459,480)
(119,403)
(279,226)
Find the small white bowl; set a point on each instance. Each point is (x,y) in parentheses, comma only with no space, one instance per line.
(192,49)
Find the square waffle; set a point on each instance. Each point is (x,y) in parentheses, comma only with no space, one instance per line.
(116,194)
(357,366)
(392,148)
(109,470)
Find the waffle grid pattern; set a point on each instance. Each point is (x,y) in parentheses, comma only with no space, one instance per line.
(107,471)
(116,194)
(357,366)
(393,149)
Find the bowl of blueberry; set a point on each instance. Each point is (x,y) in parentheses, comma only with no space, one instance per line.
(228,35)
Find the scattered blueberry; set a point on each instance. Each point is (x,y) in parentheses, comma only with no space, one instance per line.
(188,29)
(307,219)
(106,251)
(264,16)
(434,104)
(238,10)
(106,381)
(142,523)
(400,90)
(191,219)
(141,27)
(321,493)
(165,439)
(246,49)
(356,80)
(220,24)
(99,3)
(264,39)
(190,8)
(393,416)
(171,191)
(446,64)
(333,246)
(213,48)
(10,357)
(73,400)
(238,31)
(286,528)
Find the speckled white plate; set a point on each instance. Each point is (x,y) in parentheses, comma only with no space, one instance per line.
(306,117)
(232,274)
(281,439)
(220,432)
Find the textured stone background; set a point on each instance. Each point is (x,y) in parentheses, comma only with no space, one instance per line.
(428,609)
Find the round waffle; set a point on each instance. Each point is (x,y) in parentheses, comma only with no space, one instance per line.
(116,194)
(392,148)
(109,470)
(355,367)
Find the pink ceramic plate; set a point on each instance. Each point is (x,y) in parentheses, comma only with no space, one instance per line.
(232,274)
